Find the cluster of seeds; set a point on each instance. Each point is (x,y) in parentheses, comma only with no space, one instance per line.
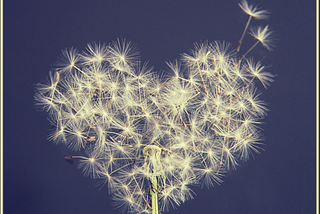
(148,134)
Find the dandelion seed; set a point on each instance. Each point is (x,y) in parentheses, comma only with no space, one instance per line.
(263,35)
(96,54)
(67,61)
(252,12)
(123,56)
(257,70)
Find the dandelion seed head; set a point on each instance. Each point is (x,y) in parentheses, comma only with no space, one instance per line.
(148,133)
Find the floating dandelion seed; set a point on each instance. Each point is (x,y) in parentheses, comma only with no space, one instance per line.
(151,137)
(252,12)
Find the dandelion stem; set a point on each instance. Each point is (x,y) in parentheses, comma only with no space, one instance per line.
(153,165)
(244,55)
(154,196)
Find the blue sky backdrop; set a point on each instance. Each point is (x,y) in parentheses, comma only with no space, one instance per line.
(37,178)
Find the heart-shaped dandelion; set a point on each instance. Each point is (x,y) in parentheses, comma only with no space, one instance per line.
(151,136)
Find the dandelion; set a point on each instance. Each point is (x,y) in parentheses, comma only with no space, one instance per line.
(150,137)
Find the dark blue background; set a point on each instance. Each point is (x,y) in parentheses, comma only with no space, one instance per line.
(37,179)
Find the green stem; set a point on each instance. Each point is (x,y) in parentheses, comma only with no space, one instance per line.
(155,195)
(155,201)
(153,164)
